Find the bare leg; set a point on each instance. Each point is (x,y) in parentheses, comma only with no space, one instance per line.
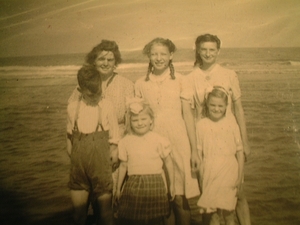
(181,210)
(215,219)
(228,217)
(242,209)
(206,218)
(80,201)
(105,209)
(170,220)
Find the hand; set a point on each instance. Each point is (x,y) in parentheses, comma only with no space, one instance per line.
(172,192)
(195,162)
(117,196)
(238,187)
(114,158)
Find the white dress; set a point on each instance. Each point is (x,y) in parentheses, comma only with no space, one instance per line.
(218,76)
(218,143)
(164,96)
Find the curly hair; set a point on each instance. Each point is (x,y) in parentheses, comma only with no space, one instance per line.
(105,45)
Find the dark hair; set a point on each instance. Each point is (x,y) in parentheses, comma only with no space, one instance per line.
(218,92)
(105,45)
(166,42)
(204,38)
(89,79)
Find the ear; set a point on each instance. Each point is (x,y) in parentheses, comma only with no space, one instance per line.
(79,89)
(152,125)
(219,50)
(171,55)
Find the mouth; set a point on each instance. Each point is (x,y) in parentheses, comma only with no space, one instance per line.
(159,64)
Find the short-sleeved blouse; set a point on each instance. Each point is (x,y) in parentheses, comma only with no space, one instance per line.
(144,154)
(218,76)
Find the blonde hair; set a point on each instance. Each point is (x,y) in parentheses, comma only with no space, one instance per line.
(145,107)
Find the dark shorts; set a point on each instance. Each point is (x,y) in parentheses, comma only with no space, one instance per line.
(90,163)
(144,197)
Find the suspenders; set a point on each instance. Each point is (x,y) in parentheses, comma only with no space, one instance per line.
(99,125)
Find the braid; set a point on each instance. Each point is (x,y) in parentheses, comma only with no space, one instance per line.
(149,71)
(172,70)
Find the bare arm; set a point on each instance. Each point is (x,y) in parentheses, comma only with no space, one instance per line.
(114,155)
(239,114)
(169,165)
(188,116)
(240,159)
(69,147)
(122,174)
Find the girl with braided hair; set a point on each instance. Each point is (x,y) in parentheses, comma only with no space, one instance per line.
(165,91)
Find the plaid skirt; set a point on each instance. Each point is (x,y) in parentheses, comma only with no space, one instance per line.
(144,197)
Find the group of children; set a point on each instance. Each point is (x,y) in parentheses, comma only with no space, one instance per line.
(161,137)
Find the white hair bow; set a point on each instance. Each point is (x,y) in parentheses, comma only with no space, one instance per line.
(135,105)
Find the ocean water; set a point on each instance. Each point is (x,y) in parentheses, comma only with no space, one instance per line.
(34,166)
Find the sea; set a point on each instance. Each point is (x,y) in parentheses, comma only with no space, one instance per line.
(34,166)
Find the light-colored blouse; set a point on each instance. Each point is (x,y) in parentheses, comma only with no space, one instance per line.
(88,118)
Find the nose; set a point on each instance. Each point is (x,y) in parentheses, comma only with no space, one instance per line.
(158,57)
(139,122)
(105,62)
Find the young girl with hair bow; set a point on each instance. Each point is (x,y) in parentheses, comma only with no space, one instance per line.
(144,197)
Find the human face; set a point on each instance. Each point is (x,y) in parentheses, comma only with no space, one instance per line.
(141,123)
(208,52)
(105,63)
(216,108)
(160,57)
(90,98)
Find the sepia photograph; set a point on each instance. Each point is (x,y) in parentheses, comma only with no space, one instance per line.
(147,112)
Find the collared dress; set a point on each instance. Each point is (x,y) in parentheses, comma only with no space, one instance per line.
(218,143)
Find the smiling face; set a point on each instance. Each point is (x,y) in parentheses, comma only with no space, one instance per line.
(105,63)
(160,57)
(208,52)
(141,123)
(216,108)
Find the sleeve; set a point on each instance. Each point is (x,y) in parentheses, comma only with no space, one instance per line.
(235,86)
(122,150)
(75,95)
(186,87)
(164,147)
(114,135)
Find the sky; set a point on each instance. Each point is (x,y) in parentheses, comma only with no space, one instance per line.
(37,27)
